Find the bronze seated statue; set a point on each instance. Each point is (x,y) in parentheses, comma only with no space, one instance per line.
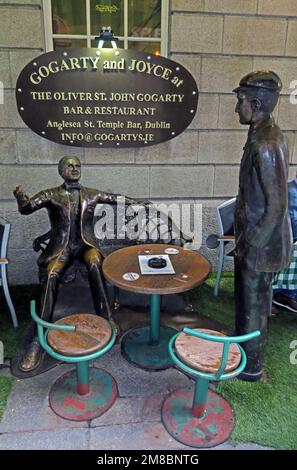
(71,254)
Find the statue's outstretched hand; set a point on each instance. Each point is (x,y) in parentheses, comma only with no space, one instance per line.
(17,191)
(20,195)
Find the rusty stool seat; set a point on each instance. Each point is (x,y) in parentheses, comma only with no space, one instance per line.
(84,393)
(203,355)
(91,334)
(198,417)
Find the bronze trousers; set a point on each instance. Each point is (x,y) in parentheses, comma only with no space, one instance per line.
(56,269)
(253,299)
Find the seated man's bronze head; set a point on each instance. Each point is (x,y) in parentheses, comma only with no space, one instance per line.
(70,169)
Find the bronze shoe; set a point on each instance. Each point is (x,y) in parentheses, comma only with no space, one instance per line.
(32,357)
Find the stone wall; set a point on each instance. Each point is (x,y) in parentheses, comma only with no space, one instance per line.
(218,41)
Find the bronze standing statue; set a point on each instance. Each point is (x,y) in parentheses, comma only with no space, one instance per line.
(262,225)
(71,210)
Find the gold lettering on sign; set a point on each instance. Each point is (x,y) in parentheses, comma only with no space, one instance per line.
(60,125)
(73,110)
(150,69)
(155,97)
(157,125)
(114,64)
(82,63)
(87,63)
(108,137)
(134,125)
(124,111)
(41,95)
(110,125)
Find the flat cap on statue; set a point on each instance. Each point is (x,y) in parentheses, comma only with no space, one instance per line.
(261,79)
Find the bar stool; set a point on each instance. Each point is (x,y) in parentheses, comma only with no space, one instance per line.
(85,393)
(199,417)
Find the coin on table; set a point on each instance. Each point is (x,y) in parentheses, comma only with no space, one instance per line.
(171,251)
(131,276)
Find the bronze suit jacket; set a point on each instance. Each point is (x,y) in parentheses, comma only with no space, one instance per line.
(262,224)
(57,203)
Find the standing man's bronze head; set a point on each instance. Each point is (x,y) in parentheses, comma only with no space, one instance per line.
(257,96)
(70,169)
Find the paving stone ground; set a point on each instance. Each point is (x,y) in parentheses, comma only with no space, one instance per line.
(133,423)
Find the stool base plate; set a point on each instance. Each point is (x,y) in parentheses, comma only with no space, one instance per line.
(138,350)
(211,430)
(65,401)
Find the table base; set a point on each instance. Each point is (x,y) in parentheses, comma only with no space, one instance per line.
(137,348)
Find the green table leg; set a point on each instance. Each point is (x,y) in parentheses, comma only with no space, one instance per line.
(147,347)
(155,319)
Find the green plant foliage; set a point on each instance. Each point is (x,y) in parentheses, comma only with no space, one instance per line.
(5,387)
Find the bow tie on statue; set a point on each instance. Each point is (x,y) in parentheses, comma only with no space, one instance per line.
(70,186)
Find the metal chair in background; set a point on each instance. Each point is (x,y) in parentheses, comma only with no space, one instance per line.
(225,217)
(4,236)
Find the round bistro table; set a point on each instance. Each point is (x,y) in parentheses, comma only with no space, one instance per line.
(147,347)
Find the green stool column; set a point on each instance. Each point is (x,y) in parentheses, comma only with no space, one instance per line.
(200,397)
(83,379)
